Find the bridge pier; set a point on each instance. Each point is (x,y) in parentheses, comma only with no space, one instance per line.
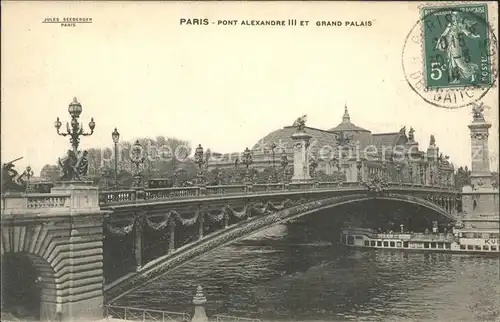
(61,234)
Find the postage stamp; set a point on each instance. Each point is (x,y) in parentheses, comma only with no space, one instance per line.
(456,46)
(450,56)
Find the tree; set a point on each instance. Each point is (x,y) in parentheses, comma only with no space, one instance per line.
(337,176)
(462,177)
(94,159)
(50,172)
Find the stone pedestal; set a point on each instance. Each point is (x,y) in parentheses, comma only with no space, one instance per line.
(199,301)
(80,269)
(83,195)
(480,170)
(301,157)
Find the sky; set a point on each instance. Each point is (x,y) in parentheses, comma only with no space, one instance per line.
(135,67)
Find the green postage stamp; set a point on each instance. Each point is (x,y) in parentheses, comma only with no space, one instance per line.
(456,46)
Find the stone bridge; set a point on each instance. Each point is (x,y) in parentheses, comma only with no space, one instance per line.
(218,215)
(72,234)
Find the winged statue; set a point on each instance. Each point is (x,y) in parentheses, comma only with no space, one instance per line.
(478,110)
(300,123)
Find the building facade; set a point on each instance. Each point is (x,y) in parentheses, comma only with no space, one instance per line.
(349,149)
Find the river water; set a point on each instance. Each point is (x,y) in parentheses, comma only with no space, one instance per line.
(298,272)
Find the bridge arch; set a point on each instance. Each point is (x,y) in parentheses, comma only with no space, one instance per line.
(29,251)
(160,266)
(331,203)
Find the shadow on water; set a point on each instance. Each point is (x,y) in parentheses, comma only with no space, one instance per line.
(298,271)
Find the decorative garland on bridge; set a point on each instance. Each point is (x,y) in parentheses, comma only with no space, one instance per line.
(171,217)
(169,262)
(122,231)
(227,211)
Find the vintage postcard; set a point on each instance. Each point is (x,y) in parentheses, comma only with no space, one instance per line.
(249,161)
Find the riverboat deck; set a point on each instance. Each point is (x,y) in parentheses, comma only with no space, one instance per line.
(486,242)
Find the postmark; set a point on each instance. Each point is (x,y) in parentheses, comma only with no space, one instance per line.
(450,55)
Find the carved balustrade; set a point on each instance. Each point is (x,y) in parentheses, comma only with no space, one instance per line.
(117,197)
(24,203)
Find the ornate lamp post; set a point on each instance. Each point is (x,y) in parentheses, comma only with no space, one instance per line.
(384,171)
(74,166)
(76,129)
(335,162)
(176,173)
(198,159)
(398,171)
(28,173)
(273,147)
(359,164)
(116,136)
(284,165)
(410,171)
(247,161)
(137,157)
(313,164)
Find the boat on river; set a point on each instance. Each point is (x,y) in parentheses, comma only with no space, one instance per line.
(460,240)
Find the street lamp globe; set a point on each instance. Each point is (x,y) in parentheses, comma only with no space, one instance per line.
(57,124)
(137,151)
(199,150)
(115,135)
(92,124)
(75,108)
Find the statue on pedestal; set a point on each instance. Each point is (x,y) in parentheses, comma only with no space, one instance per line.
(74,167)
(11,180)
(432,141)
(411,135)
(478,111)
(300,123)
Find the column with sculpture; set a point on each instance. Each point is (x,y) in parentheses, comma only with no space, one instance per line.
(83,211)
(480,199)
(300,151)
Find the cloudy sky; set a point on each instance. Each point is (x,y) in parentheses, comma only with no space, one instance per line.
(138,69)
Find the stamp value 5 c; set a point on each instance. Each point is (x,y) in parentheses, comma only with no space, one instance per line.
(456,46)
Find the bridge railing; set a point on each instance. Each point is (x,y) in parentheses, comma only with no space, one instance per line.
(137,314)
(62,201)
(21,202)
(123,196)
